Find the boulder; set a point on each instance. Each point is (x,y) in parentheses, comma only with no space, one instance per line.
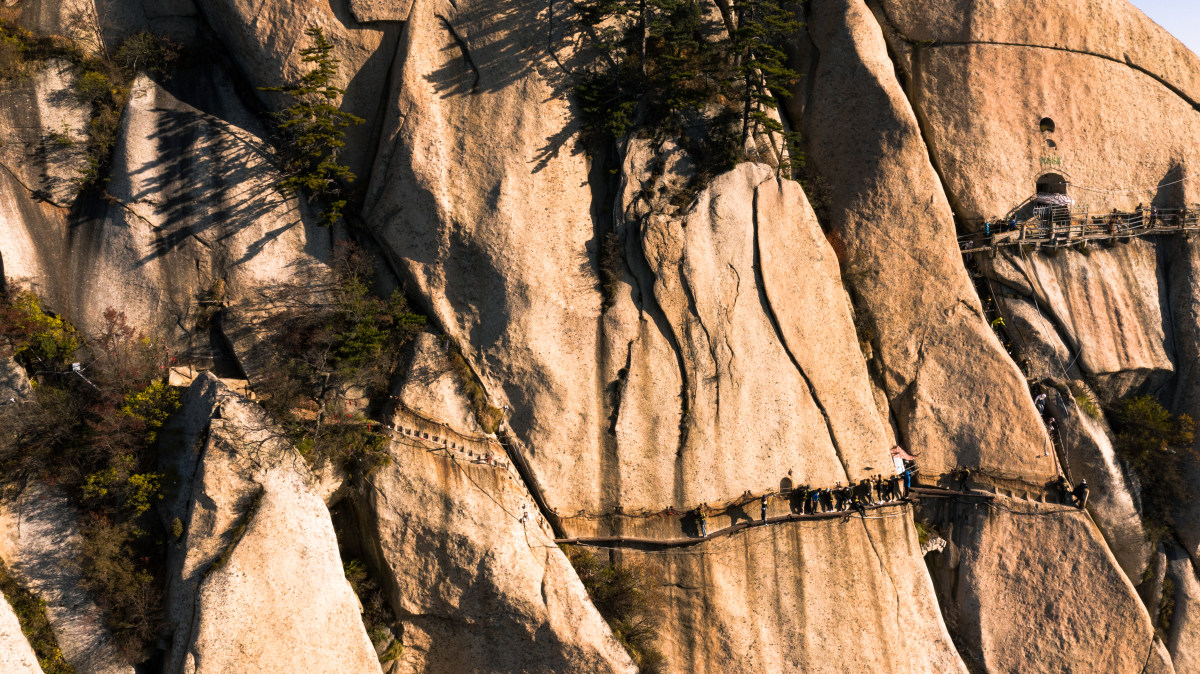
(40,543)
(14,383)
(16,655)
(256,581)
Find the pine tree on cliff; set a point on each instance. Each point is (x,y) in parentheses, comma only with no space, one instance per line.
(312,131)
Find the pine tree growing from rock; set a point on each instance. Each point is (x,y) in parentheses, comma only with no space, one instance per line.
(312,131)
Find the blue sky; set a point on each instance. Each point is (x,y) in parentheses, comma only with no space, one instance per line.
(1180,17)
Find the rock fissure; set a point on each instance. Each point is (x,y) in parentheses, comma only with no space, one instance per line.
(916,44)
(773,318)
(466,52)
(40,195)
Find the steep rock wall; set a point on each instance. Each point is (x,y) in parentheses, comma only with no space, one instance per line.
(190,203)
(892,215)
(40,543)
(265,39)
(1106,304)
(1023,608)
(752,601)
(1128,37)
(42,131)
(945,375)
(495,229)
(471,568)
(1183,638)
(1183,261)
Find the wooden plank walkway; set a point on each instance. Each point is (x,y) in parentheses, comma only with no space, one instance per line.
(1069,229)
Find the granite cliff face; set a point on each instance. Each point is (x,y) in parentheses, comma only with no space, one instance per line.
(646,353)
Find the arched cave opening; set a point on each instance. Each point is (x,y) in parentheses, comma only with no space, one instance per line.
(1051,183)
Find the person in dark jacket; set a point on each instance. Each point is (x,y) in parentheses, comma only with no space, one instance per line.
(1064,489)
(964,479)
(826,500)
(764,508)
(1081,494)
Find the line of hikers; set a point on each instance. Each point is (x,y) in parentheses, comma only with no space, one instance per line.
(1076,496)
(839,498)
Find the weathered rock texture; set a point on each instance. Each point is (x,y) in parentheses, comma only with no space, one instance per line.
(256,582)
(265,39)
(1035,607)
(192,216)
(1183,639)
(14,383)
(948,381)
(1106,307)
(472,570)
(894,220)
(1183,295)
(647,352)
(40,544)
(748,602)
(16,655)
(1090,456)
(43,134)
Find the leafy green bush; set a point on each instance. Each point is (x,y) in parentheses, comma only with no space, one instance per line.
(93,86)
(332,340)
(627,599)
(92,432)
(1157,445)
(118,561)
(925,531)
(32,335)
(1085,401)
(145,52)
(31,614)
(152,405)
(661,65)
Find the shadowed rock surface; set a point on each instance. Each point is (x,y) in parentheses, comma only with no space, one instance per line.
(256,582)
(40,543)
